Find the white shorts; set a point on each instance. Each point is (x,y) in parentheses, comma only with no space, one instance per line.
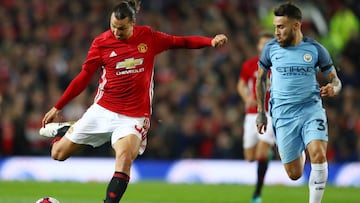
(251,135)
(99,125)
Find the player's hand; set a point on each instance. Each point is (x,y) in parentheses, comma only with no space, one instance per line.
(50,116)
(327,90)
(219,40)
(261,122)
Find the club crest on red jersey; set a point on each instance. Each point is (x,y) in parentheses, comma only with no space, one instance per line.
(142,47)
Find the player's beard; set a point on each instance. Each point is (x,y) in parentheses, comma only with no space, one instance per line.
(287,39)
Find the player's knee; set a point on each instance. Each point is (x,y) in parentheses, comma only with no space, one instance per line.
(294,174)
(318,157)
(293,171)
(317,151)
(58,155)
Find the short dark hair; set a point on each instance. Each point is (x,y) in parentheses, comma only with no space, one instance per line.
(289,10)
(126,8)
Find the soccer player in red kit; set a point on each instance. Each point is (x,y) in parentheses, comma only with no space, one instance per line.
(125,56)
(256,147)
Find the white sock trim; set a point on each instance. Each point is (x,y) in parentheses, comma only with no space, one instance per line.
(319,167)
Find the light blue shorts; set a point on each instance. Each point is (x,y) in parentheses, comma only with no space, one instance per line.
(293,134)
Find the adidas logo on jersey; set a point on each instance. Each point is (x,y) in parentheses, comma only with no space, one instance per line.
(113,54)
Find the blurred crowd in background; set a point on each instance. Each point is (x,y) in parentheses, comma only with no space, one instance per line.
(197,112)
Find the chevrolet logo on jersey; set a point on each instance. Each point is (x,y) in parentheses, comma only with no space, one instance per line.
(129,63)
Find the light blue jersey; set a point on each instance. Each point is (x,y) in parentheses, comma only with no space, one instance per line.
(295,104)
(293,75)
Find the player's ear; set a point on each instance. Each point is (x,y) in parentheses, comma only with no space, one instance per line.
(297,25)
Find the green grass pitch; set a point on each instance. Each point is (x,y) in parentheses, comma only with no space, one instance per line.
(160,192)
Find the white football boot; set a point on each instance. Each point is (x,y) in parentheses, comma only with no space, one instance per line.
(55,129)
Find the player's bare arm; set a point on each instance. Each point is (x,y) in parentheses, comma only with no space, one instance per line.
(333,87)
(219,40)
(245,94)
(261,120)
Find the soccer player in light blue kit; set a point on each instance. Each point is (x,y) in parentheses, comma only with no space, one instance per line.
(298,117)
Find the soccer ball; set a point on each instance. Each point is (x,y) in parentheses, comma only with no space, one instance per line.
(47,200)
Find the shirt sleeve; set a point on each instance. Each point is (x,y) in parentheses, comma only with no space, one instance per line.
(324,62)
(191,42)
(81,81)
(165,41)
(77,85)
(265,60)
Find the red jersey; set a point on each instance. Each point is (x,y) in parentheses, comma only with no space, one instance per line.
(249,74)
(126,69)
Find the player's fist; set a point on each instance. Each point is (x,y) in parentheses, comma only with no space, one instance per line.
(327,90)
(261,122)
(219,40)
